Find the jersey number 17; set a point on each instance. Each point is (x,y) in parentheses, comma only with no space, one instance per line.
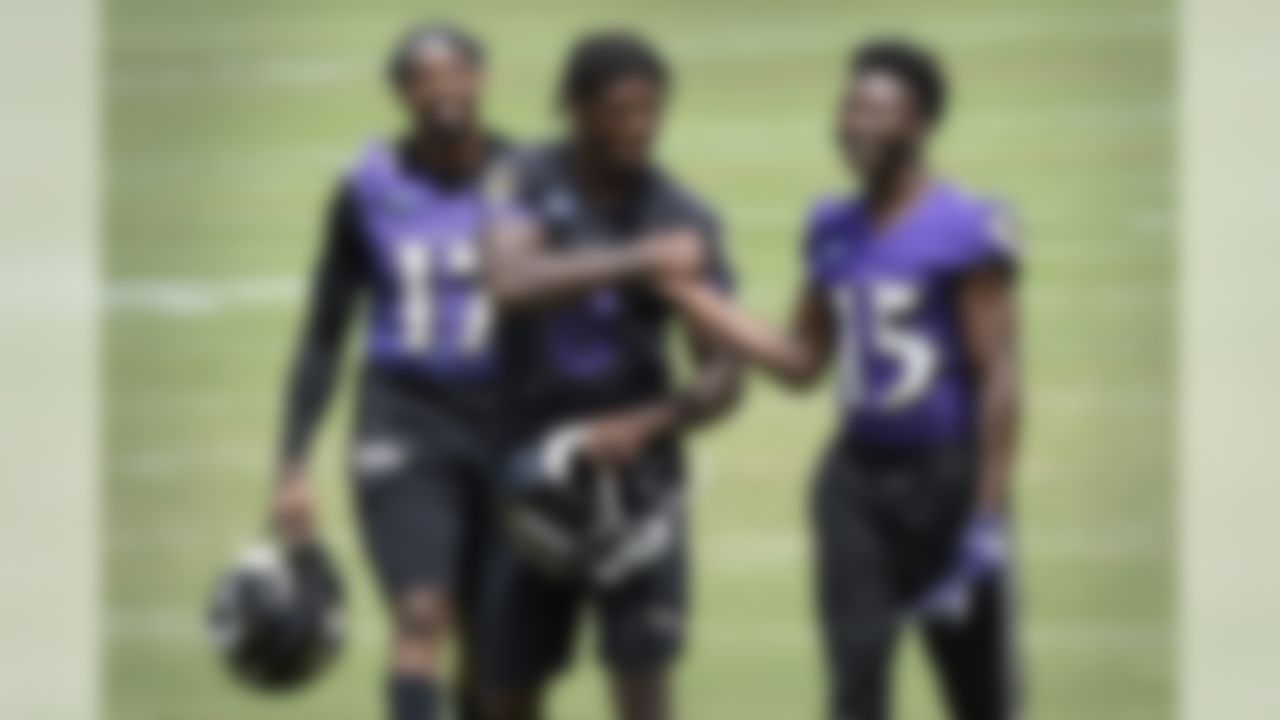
(436,287)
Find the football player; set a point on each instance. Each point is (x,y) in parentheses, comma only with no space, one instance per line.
(910,289)
(581,228)
(401,234)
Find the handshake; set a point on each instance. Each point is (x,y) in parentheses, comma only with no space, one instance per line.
(676,255)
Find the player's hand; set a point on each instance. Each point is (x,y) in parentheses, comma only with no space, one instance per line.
(676,253)
(293,507)
(982,553)
(615,441)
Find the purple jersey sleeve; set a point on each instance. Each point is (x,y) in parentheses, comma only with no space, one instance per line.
(989,238)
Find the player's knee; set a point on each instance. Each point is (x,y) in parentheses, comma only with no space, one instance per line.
(421,617)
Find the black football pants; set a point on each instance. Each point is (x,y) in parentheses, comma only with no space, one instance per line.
(886,526)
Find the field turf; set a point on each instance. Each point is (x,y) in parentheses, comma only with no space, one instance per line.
(228,121)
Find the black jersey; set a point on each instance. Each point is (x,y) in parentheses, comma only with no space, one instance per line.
(605,349)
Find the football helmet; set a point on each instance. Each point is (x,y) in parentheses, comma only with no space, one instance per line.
(277,615)
(575,522)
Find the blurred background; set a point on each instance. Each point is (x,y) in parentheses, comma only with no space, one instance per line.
(229,121)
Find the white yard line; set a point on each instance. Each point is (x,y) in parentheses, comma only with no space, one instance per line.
(292,72)
(185,298)
(174,464)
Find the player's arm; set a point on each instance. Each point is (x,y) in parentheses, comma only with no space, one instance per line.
(521,270)
(713,388)
(716,386)
(989,317)
(712,392)
(337,281)
(796,357)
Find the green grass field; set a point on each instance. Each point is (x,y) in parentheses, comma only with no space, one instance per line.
(229,120)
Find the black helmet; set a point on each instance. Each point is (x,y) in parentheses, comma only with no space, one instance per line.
(276,617)
(572,521)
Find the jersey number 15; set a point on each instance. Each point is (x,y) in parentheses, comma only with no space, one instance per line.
(889,336)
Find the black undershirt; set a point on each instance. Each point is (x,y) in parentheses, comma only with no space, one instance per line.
(338,281)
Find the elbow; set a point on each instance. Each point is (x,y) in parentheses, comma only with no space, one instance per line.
(798,372)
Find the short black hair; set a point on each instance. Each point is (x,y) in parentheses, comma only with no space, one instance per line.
(601,58)
(457,38)
(911,63)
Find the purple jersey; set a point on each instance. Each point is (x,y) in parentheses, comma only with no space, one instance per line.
(905,376)
(429,312)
